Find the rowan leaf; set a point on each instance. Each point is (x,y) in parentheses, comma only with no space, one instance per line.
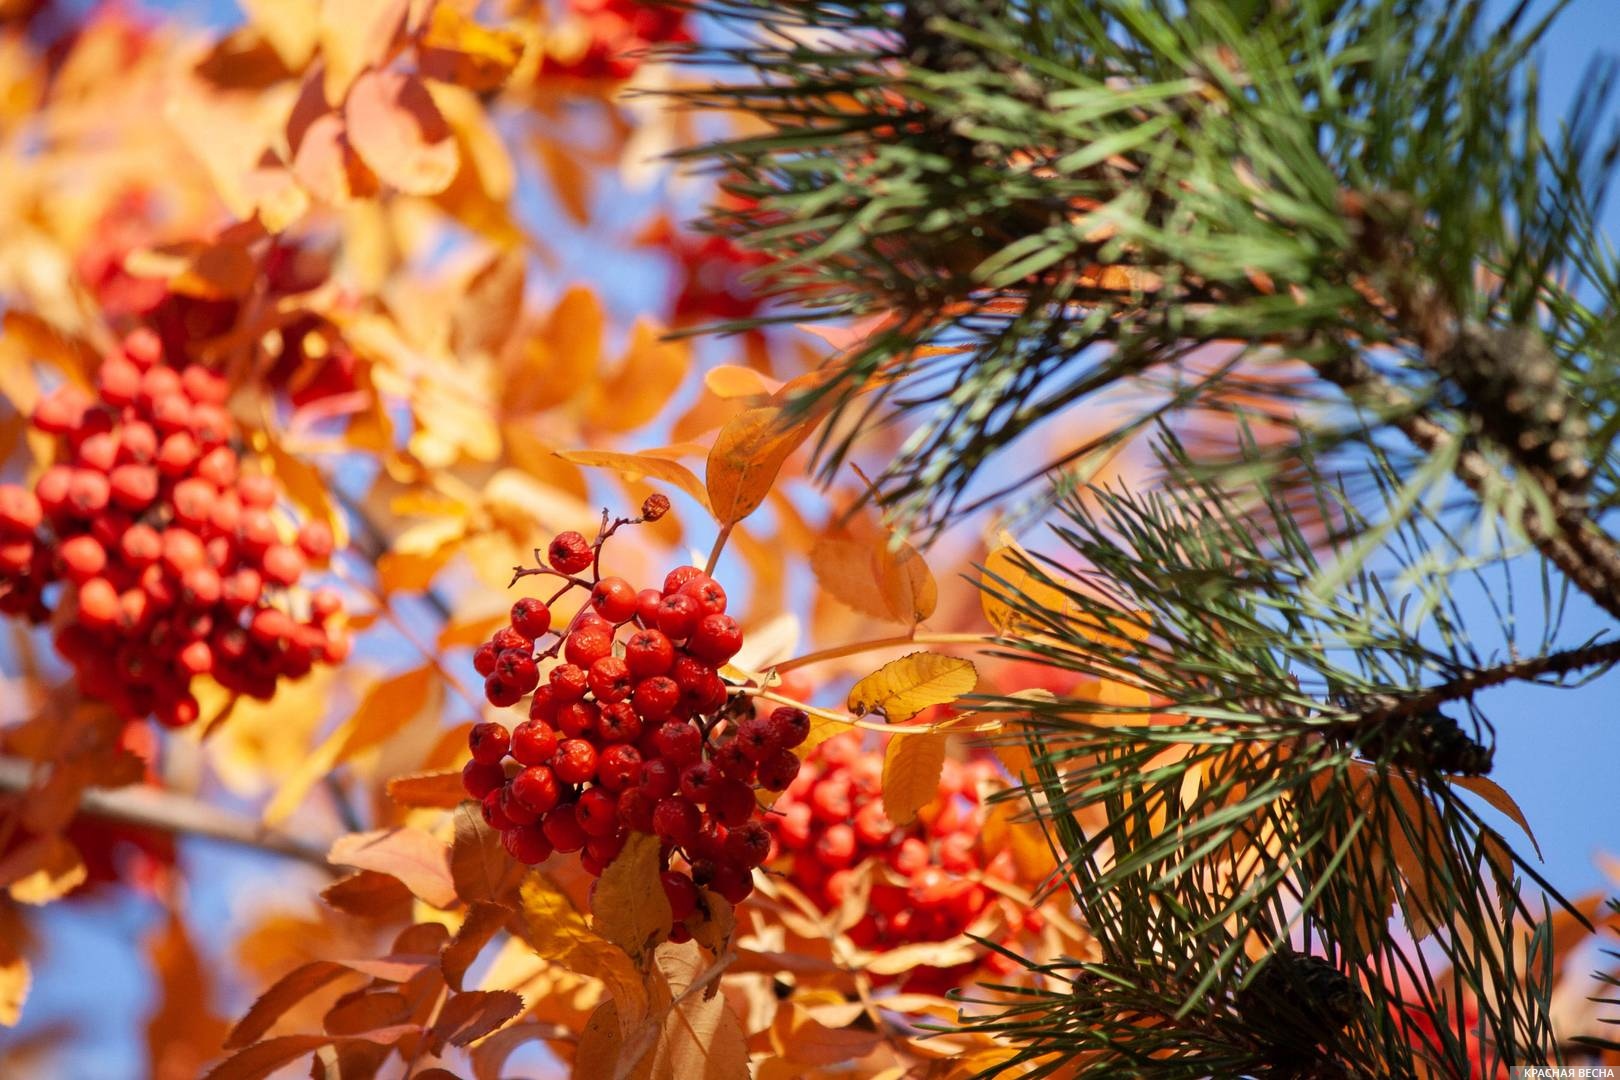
(1497,796)
(803,1039)
(456,49)
(369,895)
(1008,571)
(43,869)
(493,304)
(746,457)
(394,125)
(911,770)
(283,994)
(473,1014)
(905,687)
(355,35)
(438,790)
(735,381)
(484,920)
(642,465)
(647,376)
(628,905)
(869,576)
(702,1038)
(479,865)
(419,861)
(556,930)
(358,1014)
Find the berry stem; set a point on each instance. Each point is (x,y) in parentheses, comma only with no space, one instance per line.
(895,642)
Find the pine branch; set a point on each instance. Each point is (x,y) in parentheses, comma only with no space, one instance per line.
(1379,709)
(166,811)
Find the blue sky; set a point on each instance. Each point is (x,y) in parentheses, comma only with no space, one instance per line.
(1557,749)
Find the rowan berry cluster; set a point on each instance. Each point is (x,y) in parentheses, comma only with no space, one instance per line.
(157,549)
(831,820)
(614,37)
(630,728)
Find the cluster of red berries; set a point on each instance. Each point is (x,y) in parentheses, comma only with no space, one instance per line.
(157,548)
(830,821)
(630,728)
(614,35)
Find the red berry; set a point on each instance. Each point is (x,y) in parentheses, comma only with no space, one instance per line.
(533,742)
(568,683)
(62,410)
(157,383)
(531,618)
(731,801)
(484,659)
(200,587)
(710,597)
(792,726)
(598,812)
(527,844)
(698,781)
(679,577)
(648,652)
(517,668)
(618,723)
(682,894)
(602,850)
(325,602)
(748,844)
(837,846)
(256,490)
(619,767)
(172,412)
(659,778)
(562,828)
(733,883)
(733,762)
(137,444)
(636,809)
(500,693)
(513,808)
(543,705)
(177,711)
(570,553)
(586,645)
(778,769)
(756,736)
(89,492)
(177,454)
(610,679)
(679,743)
(480,778)
(680,934)
(678,616)
(910,858)
(578,719)
(716,639)
(119,381)
(82,558)
(676,820)
(647,604)
(575,762)
(219,467)
(203,385)
(20,512)
(614,599)
(536,788)
(193,500)
(283,564)
(16,557)
(143,347)
(488,742)
(98,452)
(211,424)
(872,825)
(315,540)
(655,698)
(494,816)
(256,531)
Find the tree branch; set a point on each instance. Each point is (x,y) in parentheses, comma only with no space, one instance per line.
(153,808)
(1535,667)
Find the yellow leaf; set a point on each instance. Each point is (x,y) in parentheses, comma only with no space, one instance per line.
(702,1038)
(292,27)
(356,34)
(628,906)
(1008,571)
(1493,793)
(905,583)
(843,569)
(439,790)
(637,466)
(43,870)
(455,49)
(490,309)
(650,372)
(911,770)
(384,710)
(558,933)
(905,687)
(560,361)
(800,1037)
(394,125)
(745,458)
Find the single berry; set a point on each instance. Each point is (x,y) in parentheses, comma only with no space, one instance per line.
(757,737)
(315,540)
(677,616)
(484,659)
(731,801)
(732,882)
(527,844)
(536,788)
(480,778)
(610,679)
(636,809)
(733,762)
(500,693)
(578,719)
(561,827)
(488,742)
(748,844)
(614,599)
(676,820)
(647,603)
(679,743)
(682,894)
(568,683)
(680,576)
(648,652)
(531,618)
(533,742)
(494,816)
(509,637)
(283,564)
(575,762)
(619,767)
(792,726)
(569,553)
(654,506)
(514,809)
(716,639)
(659,777)
(698,781)
(710,597)
(618,724)
(588,644)
(82,558)
(517,667)
(598,812)
(655,698)
(20,512)
(778,769)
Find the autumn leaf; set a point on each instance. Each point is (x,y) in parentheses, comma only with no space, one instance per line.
(368,894)
(456,49)
(905,687)
(41,870)
(869,576)
(398,131)
(746,457)
(636,466)
(1008,571)
(556,930)
(439,790)
(479,865)
(473,1014)
(799,1037)
(650,372)
(484,920)
(493,304)
(419,861)
(911,769)
(287,991)
(628,905)
(1497,796)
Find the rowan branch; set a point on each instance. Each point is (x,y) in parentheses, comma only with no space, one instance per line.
(167,811)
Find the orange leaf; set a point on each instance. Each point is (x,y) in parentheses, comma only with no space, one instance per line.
(559,934)
(284,993)
(398,131)
(455,49)
(736,381)
(369,895)
(1493,793)
(479,865)
(439,790)
(492,305)
(356,34)
(637,466)
(561,360)
(474,1014)
(746,457)
(484,919)
(420,862)
(797,1035)
(365,1012)
(911,769)
(905,687)
(647,376)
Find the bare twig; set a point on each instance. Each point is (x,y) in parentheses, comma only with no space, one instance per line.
(154,808)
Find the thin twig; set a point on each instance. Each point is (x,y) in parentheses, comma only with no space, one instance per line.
(153,808)
(1466,685)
